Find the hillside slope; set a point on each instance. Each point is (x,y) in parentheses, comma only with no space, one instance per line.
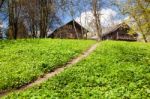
(115,70)
(23,61)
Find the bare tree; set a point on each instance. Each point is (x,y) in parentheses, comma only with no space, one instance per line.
(47,11)
(1,3)
(31,11)
(11,19)
(14,13)
(96,5)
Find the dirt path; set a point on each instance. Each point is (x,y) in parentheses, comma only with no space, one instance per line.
(55,72)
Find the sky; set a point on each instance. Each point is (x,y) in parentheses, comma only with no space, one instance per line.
(108,17)
(107,11)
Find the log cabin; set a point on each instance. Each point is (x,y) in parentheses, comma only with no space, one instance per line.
(71,30)
(120,32)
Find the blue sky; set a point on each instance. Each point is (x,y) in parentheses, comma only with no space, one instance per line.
(106,6)
(65,17)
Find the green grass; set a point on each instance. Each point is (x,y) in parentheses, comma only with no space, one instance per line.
(23,61)
(116,70)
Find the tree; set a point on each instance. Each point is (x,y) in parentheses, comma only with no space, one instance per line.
(139,15)
(1,3)
(43,17)
(14,13)
(32,16)
(96,5)
(0,29)
(11,19)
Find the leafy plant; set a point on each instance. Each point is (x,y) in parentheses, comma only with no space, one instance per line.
(22,61)
(115,70)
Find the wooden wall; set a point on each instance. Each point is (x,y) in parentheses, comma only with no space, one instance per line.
(120,34)
(69,31)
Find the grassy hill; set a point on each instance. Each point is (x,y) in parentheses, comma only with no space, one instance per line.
(115,70)
(22,61)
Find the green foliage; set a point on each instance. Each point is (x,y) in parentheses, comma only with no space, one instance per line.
(116,70)
(139,16)
(23,61)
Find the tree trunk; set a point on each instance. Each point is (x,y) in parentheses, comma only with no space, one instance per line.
(43,18)
(11,19)
(75,30)
(97,19)
(145,39)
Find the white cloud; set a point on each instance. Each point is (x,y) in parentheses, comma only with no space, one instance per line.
(85,18)
(107,14)
(107,19)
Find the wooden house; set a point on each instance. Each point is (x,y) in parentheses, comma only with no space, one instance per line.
(71,30)
(120,32)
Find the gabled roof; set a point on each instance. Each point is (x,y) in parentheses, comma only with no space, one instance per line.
(70,22)
(122,25)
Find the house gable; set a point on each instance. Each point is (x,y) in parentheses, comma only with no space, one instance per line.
(71,30)
(120,32)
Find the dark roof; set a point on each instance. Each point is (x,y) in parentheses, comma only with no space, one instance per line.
(122,25)
(70,22)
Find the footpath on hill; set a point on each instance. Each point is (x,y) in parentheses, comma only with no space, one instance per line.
(54,72)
